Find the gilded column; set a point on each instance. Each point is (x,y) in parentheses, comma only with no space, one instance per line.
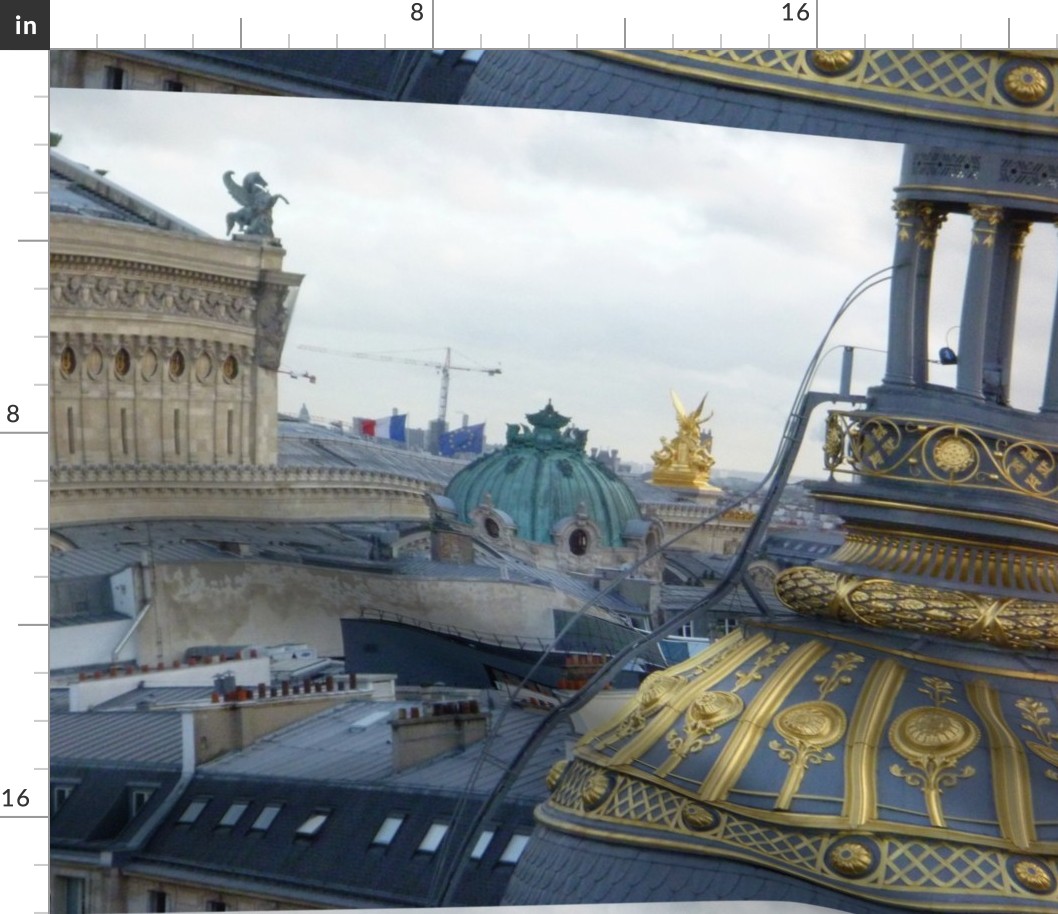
(898,366)
(929,222)
(970,377)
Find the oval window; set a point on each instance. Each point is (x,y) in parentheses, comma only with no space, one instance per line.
(122,363)
(492,528)
(176,364)
(67,362)
(578,542)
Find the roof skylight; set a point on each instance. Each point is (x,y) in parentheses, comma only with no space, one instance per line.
(312,824)
(234,812)
(387,831)
(513,851)
(193,811)
(435,834)
(266,817)
(482,844)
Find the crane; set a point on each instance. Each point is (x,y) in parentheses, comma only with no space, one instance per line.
(444,367)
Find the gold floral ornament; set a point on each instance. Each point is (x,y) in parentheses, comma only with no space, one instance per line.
(595,790)
(697,818)
(1038,720)
(554,774)
(1027,84)
(771,654)
(933,740)
(834,442)
(811,727)
(708,712)
(1033,876)
(833,61)
(649,700)
(954,455)
(852,857)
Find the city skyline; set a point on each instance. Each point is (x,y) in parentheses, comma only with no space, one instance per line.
(600,261)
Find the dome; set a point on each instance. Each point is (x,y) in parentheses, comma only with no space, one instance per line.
(543,478)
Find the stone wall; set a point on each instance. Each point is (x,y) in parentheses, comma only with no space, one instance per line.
(272,603)
(164,345)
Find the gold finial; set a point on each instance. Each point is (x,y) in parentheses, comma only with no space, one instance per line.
(685,460)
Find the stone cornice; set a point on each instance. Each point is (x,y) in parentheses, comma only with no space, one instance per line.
(113,265)
(96,493)
(240,477)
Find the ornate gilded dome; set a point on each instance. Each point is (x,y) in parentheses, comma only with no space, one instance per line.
(541,481)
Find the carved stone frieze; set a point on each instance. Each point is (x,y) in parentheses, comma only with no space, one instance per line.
(133,292)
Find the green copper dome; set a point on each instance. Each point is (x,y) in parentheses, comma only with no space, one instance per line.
(543,476)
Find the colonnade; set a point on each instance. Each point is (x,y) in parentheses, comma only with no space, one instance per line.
(986,332)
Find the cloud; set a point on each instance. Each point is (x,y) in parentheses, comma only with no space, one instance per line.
(600,260)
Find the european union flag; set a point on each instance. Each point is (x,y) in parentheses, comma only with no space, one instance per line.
(470,439)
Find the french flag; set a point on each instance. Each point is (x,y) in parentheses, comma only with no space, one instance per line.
(392,427)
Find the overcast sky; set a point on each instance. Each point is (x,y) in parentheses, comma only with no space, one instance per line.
(599,260)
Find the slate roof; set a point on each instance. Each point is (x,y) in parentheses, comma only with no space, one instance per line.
(144,738)
(676,598)
(351,743)
(303,444)
(557,868)
(339,764)
(578,81)
(98,813)
(77,190)
(106,548)
(411,75)
(339,861)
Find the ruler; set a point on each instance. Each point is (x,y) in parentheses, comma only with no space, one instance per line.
(369,24)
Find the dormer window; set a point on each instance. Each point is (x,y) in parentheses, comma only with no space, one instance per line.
(138,798)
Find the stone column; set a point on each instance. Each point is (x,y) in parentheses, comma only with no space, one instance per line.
(970,377)
(1050,384)
(898,365)
(929,222)
(999,327)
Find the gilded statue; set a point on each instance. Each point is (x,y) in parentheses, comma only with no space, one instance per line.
(684,460)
